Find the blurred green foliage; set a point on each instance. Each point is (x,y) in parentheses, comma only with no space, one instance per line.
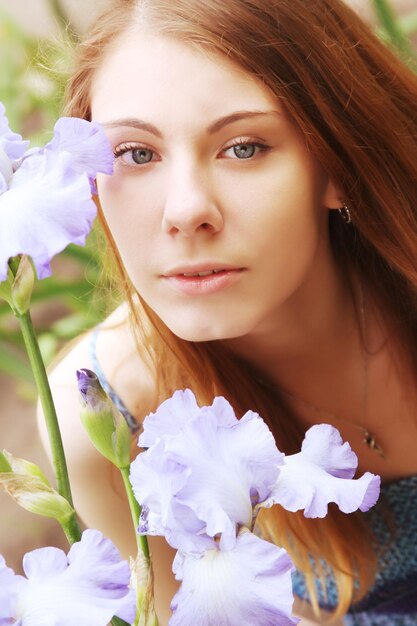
(33,73)
(397,32)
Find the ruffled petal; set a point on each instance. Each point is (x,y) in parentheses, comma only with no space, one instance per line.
(231,468)
(206,474)
(96,559)
(6,171)
(156,479)
(3,183)
(92,588)
(310,480)
(8,592)
(169,418)
(87,143)
(248,585)
(224,412)
(12,143)
(47,207)
(324,446)
(44,562)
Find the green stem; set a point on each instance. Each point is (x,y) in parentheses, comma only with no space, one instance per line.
(135,510)
(71,530)
(51,420)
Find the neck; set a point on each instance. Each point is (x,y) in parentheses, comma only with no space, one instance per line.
(308,347)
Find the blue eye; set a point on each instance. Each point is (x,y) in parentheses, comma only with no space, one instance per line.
(141,155)
(244,150)
(131,154)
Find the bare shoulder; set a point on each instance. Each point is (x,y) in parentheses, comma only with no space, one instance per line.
(123,366)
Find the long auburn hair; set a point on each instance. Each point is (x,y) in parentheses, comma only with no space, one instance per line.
(356,104)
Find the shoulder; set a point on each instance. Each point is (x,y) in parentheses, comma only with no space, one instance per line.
(112,348)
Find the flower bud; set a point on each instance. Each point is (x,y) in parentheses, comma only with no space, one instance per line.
(6,288)
(21,467)
(105,425)
(4,463)
(23,284)
(27,485)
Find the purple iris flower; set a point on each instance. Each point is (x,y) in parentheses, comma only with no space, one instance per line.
(203,472)
(87,587)
(201,482)
(46,194)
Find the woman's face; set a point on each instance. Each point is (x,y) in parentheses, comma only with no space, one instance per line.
(210,176)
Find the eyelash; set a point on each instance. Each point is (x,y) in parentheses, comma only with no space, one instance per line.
(119,151)
(128,147)
(247,141)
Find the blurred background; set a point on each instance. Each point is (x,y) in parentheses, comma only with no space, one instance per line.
(36,42)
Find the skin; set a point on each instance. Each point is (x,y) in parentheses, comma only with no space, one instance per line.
(288,308)
(196,202)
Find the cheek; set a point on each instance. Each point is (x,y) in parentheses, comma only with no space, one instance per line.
(277,204)
(130,210)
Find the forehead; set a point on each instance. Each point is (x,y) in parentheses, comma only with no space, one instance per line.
(166,80)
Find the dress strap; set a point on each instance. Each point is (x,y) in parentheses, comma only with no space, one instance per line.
(118,402)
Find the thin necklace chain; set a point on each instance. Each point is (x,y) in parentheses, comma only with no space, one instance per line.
(368,438)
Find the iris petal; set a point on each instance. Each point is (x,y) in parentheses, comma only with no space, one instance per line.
(87,143)
(248,585)
(47,207)
(8,592)
(324,446)
(86,588)
(321,473)
(169,418)
(12,143)
(44,562)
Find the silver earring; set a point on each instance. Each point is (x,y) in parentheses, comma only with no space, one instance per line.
(345,213)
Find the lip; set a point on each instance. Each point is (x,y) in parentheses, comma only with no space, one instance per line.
(202,285)
(201,267)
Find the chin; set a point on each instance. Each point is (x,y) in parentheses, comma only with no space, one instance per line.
(198,333)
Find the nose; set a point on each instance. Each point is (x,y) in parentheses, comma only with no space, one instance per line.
(190,206)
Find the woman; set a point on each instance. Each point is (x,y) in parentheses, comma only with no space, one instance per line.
(262,215)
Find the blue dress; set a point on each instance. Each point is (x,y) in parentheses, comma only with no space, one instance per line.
(392,601)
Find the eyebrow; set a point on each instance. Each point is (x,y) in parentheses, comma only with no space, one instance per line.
(215,127)
(133,122)
(235,117)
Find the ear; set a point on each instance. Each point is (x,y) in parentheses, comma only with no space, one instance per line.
(332,197)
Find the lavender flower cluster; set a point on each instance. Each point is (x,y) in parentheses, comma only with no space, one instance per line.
(45,193)
(202,481)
